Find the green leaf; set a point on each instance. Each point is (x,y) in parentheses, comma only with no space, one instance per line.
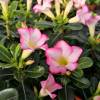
(78,73)
(6,65)
(17,51)
(75,26)
(85,62)
(13,7)
(44,24)
(10,94)
(82,83)
(35,72)
(4,54)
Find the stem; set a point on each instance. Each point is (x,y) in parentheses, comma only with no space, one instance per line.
(24,90)
(55,38)
(7,29)
(85,97)
(65,92)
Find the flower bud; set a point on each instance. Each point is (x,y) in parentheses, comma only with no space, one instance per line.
(26,53)
(29,62)
(29,4)
(4,4)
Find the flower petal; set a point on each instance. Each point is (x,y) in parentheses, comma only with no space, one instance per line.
(64,46)
(35,34)
(56,70)
(24,37)
(72,66)
(53,53)
(42,40)
(76,52)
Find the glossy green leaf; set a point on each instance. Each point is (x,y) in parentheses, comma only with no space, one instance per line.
(35,72)
(82,83)
(4,54)
(85,62)
(78,73)
(75,26)
(9,94)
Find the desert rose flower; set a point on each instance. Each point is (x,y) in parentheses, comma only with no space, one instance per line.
(62,57)
(79,3)
(49,86)
(86,17)
(31,39)
(4,4)
(43,6)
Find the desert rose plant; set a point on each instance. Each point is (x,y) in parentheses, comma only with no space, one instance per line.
(49,50)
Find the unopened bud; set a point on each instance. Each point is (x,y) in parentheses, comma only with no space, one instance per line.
(29,62)
(29,5)
(26,53)
(68,73)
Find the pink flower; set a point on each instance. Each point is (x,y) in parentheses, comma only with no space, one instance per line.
(96,98)
(78,3)
(49,86)
(31,39)
(86,17)
(62,57)
(42,5)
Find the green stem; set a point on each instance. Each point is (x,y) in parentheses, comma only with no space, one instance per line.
(65,91)
(55,38)
(7,30)
(22,82)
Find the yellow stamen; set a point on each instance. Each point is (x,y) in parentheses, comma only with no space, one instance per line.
(62,61)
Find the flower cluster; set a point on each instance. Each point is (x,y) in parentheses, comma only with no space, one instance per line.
(60,58)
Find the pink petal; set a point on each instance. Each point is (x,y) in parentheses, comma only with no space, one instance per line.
(37,8)
(52,96)
(64,46)
(54,87)
(35,34)
(44,47)
(53,53)
(43,84)
(72,66)
(24,37)
(75,54)
(42,40)
(56,70)
(51,62)
(50,80)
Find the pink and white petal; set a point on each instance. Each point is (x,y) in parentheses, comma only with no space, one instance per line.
(43,84)
(42,40)
(24,33)
(35,34)
(53,53)
(51,62)
(72,66)
(37,8)
(56,70)
(54,87)
(52,96)
(65,47)
(50,80)
(75,54)
(44,47)
(24,44)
